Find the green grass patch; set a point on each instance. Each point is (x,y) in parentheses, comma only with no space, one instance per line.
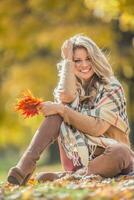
(72,188)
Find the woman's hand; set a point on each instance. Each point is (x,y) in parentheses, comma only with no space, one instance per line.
(50,108)
(67,50)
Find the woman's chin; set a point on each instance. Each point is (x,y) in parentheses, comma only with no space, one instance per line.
(86,78)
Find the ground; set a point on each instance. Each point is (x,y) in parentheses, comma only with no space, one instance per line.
(72,188)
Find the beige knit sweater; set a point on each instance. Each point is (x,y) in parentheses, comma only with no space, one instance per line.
(87,124)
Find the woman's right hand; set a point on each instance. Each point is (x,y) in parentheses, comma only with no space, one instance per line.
(67,50)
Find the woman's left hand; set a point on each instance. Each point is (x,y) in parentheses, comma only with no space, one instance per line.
(50,108)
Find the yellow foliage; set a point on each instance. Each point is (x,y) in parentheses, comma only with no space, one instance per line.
(31,34)
(127,21)
(114,9)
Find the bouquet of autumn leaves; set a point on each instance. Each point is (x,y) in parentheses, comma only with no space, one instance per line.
(28,104)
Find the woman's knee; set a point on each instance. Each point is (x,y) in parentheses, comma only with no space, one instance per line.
(120,152)
(119,148)
(50,126)
(53,121)
(115,158)
(54,118)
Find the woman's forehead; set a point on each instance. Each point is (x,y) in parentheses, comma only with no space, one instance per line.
(81,51)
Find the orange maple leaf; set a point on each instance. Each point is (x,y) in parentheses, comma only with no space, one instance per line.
(28,104)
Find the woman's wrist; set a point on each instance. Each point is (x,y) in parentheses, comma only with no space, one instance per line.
(69,65)
(61,109)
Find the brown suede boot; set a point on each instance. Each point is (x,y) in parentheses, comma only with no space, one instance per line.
(50,176)
(44,136)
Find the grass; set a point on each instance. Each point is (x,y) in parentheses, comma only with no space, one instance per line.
(67,188)
(46,168)
(10,160)
(72,188)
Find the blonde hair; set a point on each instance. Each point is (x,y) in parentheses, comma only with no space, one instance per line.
(102,68)
(99,61)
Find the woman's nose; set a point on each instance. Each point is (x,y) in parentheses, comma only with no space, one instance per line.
(85,63)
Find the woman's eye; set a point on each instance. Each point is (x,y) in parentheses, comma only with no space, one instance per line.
(77,61)
(80,61)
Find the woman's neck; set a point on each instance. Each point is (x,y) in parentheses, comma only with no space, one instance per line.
(87,82)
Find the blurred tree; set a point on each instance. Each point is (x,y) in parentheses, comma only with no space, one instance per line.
(121,15)
(31,34)
(123,10)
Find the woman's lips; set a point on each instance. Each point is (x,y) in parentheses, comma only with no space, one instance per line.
(85,70)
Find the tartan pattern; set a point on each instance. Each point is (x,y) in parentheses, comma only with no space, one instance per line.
(109,105)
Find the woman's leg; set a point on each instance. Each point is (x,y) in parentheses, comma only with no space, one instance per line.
(65,161)
(116,159)
(44,136)
(67,164)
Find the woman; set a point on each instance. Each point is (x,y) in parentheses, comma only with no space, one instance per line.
(88,117)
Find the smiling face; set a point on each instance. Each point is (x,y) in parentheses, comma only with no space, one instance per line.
(83,64)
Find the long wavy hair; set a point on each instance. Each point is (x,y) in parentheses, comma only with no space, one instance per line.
(102,68)
(99,61)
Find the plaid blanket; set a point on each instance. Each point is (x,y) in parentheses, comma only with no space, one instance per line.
(109,105)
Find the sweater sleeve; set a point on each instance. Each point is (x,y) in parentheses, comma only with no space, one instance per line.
(87,124)
(67,80)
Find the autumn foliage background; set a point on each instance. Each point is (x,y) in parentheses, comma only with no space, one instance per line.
(31,34)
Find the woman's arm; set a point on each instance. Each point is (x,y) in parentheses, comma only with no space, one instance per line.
(66,89)
(87,124)
(67,82)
